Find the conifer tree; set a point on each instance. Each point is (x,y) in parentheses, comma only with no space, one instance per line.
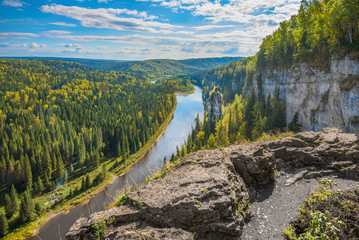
(28,172)
(14,198)
(4,226)
(9,206)
(27,207)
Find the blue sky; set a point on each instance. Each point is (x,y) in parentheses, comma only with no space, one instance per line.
(138,29)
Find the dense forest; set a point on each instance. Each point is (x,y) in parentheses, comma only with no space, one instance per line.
(320,30)
(60,118)
(158,68)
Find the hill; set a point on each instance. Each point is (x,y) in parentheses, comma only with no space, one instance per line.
(155,68)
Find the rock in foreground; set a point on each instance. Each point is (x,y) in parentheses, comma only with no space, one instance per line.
(204,197)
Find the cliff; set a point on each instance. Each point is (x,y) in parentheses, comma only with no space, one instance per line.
(317,93)
(215,103)
(246,191)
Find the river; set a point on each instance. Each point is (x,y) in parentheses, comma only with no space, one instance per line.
(188,107)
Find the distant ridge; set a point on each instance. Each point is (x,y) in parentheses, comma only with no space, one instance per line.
(154,68)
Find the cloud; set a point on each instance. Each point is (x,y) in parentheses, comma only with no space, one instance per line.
(109,18)
(23,46)
(103,1)
(17,35)
(13,3)
(69,45)
(35,45)
(209,27)
(236,11)
(63,24)
(55,32)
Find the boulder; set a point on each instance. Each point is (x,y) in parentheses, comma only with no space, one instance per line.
(203,195)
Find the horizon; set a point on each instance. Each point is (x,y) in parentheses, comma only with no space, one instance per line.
(139,29)
(103,59)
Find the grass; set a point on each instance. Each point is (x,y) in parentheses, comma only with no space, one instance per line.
(274,136)
(31,228)
(327,214)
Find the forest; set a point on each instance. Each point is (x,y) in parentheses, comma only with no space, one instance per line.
(158,68)
(59,120)
(320,30)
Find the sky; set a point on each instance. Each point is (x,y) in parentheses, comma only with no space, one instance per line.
(138,29)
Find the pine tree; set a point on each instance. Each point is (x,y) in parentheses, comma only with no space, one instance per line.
(40,185)
(88,181)
(258,126)
(294,125)
(4,226)
(83,183)
(14,198)
(27,207)
(164,165)
(178,153)
(173,158)
(183,150)
(47,183)
(47,165)
(59,168)
(71,193)
(38,208)
(9,206)
(28,172)
(119,148)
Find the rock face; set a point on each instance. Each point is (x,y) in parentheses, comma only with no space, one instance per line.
(316,94)
(206,196)
(215,104)
(203,195)
(327,152)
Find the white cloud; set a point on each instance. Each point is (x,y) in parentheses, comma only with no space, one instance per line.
(108,18)
(17,35)
(208,27)
(56,32)
(35,45)
(63,24)
(23,46)
(13,3)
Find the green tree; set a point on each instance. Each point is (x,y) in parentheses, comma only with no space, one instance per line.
(27,207)
(4,226)
(10,207)
(14,198)
(211,141)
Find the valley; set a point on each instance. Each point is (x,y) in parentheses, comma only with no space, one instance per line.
(187,139)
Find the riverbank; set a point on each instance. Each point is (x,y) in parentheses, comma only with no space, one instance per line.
(187,109)
(133,159)
(33,228)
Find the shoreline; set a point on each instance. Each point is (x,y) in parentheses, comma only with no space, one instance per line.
(162,130)
(93,192)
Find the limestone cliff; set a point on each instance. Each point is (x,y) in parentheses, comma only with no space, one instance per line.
(207,195)
(316,94)
(215,103)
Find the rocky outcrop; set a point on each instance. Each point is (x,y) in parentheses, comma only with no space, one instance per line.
(203,195)
(215,104)
(206,196)
(316,94)
(328,152)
